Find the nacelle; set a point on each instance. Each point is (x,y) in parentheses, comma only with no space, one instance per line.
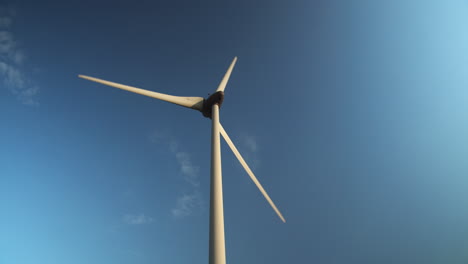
(216,98)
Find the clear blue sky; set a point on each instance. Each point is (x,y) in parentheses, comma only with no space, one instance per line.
(354,116)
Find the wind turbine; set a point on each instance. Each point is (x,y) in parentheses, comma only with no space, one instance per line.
(209,108)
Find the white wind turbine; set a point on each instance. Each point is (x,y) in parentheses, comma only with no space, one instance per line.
(209,108)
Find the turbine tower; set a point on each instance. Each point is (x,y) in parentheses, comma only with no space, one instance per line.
(209,108)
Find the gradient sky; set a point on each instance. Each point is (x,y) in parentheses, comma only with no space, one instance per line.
(353,115)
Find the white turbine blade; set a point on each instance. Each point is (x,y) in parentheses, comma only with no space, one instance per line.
(225,79)
(190,102)
(246,167)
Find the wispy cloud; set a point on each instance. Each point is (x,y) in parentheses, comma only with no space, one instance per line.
(5,22)
(184,159)
(187,168)
(186,204)
(138,219)
(250,146)
(250,142)
(12,69)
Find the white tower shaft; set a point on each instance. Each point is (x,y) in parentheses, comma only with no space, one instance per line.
(217,254)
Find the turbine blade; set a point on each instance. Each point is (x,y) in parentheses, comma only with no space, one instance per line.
(190,102)
(225,79)
(246,167)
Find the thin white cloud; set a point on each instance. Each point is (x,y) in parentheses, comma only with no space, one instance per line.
(7,43)
(138,219)
(250,143)
(18,57)
(187,168)
(12,72)
(5,22)
(186,204)
(183,158)
(250,150)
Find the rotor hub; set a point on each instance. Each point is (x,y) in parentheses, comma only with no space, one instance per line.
(216,98)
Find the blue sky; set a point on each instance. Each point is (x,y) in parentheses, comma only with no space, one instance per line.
(353,115)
